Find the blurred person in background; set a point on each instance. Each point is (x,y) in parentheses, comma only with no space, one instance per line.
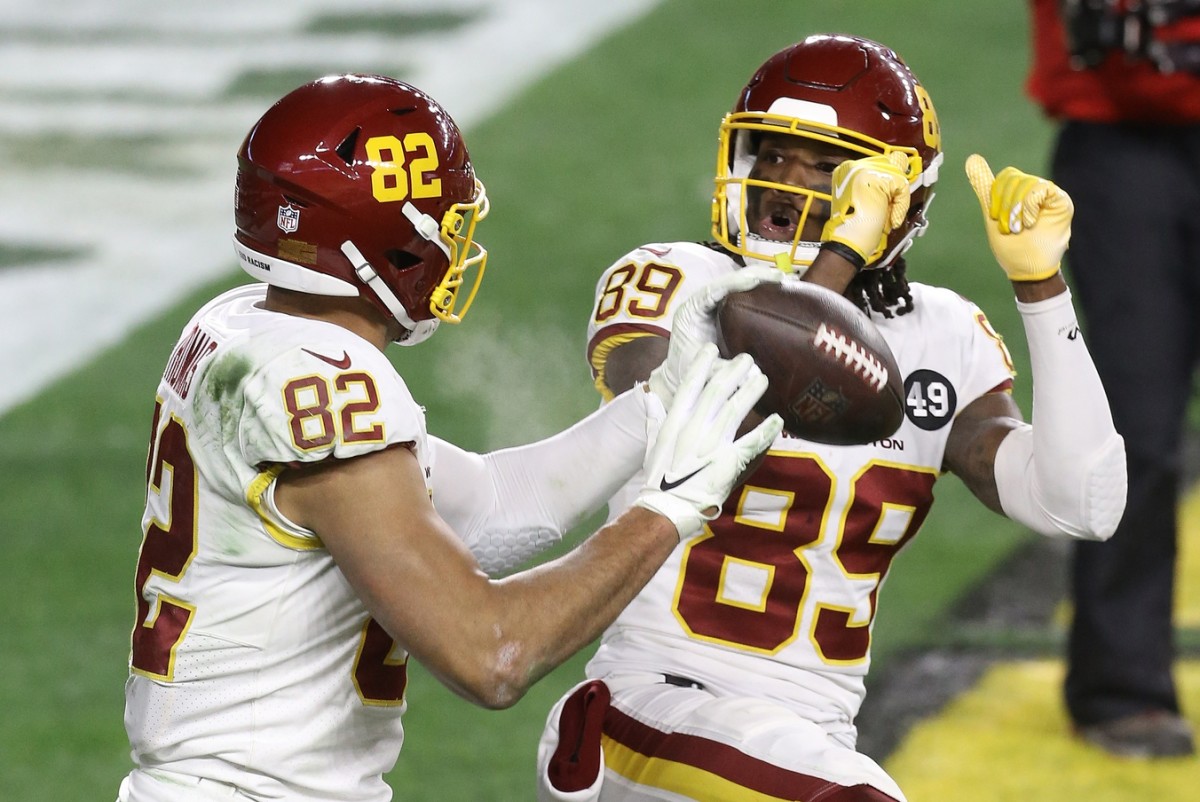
(1123,81)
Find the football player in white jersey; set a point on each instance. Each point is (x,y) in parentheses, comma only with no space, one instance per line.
(737,672)
(304,534)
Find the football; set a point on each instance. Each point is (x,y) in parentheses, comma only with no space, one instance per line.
(833,378)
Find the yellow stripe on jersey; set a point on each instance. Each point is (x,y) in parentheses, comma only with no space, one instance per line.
(255,497)
(678,778)
(599,357)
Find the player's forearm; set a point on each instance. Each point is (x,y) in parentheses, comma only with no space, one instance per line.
(561,479)
(1065,475)
(519,628)
(531,622)
(511,504)
(831,270)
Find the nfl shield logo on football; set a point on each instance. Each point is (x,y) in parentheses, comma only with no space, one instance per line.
(288,219)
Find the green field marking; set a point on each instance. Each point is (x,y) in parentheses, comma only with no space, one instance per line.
(400,23)
(1008,739)
(275,83)
(146,154)
(13,254)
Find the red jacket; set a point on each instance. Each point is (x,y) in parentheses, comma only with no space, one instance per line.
(1118,89)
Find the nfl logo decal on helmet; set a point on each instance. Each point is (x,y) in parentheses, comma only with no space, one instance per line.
(288,219)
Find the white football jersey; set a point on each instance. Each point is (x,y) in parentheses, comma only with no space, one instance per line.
(253,662)
(777,596)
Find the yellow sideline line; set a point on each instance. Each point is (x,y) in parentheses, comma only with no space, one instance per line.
(1187,580)
(1008,738)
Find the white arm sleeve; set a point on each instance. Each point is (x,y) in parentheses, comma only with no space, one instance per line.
(1065,474)
(510,504)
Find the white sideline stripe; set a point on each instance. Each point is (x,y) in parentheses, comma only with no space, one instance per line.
(148,240)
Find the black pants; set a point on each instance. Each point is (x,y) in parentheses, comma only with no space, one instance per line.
(1134,260)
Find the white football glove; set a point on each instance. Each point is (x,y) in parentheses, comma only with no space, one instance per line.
(696,325)
(693,463)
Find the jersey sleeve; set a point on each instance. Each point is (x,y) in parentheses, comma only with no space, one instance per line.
(638,295)
(988,365)
(297,408)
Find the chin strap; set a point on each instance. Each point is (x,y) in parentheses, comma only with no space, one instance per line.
(425,225)
(417,331)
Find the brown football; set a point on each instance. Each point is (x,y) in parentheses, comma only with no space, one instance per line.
(833,378)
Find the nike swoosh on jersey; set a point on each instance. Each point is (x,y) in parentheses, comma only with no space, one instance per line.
(340,364)
(665,485)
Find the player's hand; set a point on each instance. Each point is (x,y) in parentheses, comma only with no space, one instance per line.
(696,324)
(1028,219)
(870,198)
(694,461)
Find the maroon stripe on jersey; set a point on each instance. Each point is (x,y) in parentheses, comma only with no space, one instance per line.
(721,759)
(1003,387)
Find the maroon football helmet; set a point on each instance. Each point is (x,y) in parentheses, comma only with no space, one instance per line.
(844,91)
(361,185)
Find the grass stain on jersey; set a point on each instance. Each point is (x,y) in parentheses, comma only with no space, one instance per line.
(221,383)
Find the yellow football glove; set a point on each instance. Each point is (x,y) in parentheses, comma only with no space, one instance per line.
(1028,219)
(870,198)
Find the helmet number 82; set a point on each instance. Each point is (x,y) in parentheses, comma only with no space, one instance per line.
(396,177)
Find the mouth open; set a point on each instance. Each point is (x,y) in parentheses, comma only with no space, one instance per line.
(778,222)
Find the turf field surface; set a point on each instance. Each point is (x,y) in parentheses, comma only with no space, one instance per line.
(611,149)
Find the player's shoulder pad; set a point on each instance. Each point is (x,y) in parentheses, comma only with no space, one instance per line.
(304,398)
(940,306)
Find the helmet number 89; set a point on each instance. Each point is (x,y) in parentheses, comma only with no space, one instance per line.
(396,177)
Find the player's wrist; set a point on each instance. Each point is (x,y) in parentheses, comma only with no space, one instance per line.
(682,515)
(659,386)
(1034,291)
(848,254)
(1028,274)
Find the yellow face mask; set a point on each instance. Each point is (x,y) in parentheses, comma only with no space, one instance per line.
(457,236)
(734,186)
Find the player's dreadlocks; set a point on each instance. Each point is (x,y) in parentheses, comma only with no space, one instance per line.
(882,290)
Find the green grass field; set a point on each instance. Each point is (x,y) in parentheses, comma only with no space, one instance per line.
(614,149)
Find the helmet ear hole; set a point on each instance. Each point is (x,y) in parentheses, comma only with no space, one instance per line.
(402,260)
